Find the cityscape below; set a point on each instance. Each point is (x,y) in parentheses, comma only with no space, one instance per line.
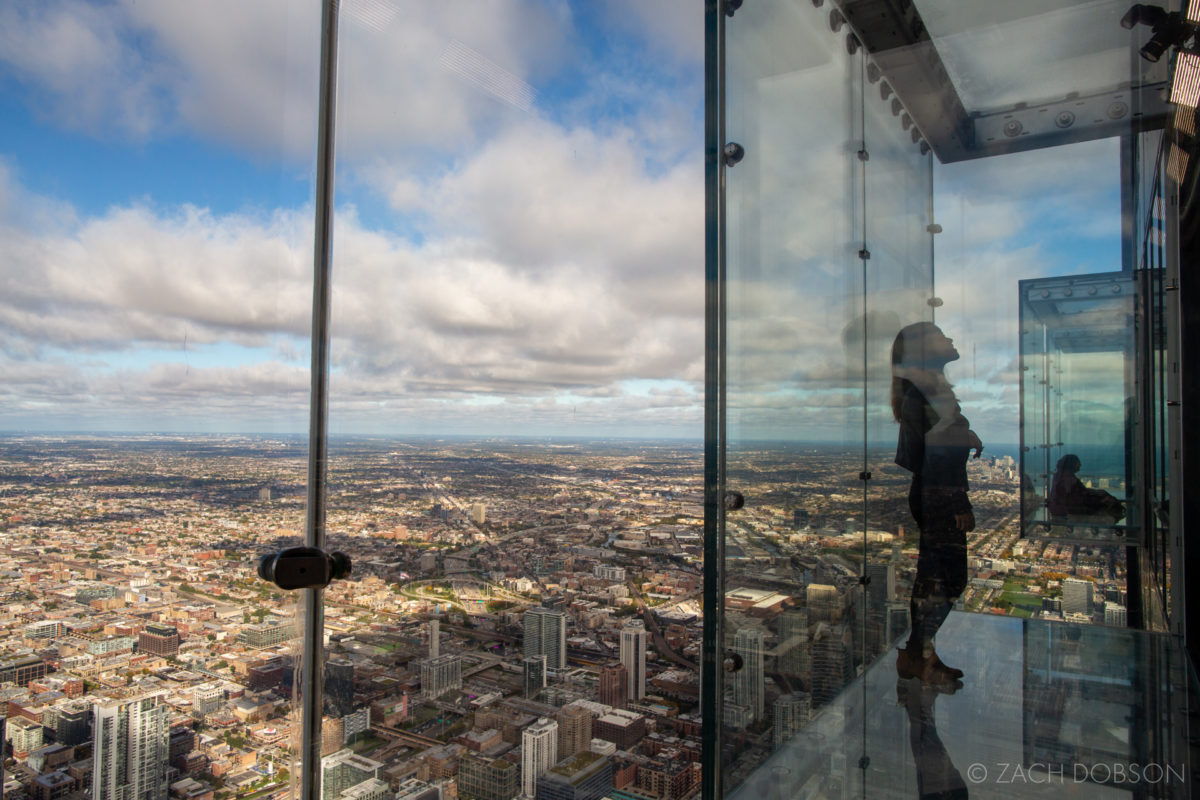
(523,618)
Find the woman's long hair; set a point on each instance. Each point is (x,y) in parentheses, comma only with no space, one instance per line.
(907,351)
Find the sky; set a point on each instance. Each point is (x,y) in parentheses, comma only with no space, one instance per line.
(518,240)
(518,236)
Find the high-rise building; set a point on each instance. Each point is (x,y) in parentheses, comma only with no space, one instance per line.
(478,513)
(748,684)
(633,657)
(481,778)
(435,638)
(793,659)
(440,675)
(546,635)
(881,585)
(25,736)
(207,699)
(343,770)
(586,776)
(791,712)
(72,727)
(539,752)
(823,603)
(22,670)
(159,640)
(574,730)
(614,684)
(339,685)
(131,745)
(621,727)
(830,663)
(1115,614)
(533,675)
(1076,596)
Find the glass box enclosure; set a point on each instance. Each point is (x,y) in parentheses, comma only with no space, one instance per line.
(1077,397)
(942,241)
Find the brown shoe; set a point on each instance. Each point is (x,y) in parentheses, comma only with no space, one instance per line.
(928,669)
(952,671)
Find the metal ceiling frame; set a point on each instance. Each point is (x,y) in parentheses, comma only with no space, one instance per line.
(897,41)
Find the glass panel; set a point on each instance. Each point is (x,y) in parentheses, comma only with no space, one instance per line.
(516,466)
(156,192)
(946,398)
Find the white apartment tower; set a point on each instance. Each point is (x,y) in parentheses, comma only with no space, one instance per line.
(633,658)
(748,681)
(546,635)
(539,752)
(129,754)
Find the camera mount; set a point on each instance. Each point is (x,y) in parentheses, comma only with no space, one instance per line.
(303,568)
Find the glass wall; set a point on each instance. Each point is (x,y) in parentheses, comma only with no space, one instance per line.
(945,399)
(156,169)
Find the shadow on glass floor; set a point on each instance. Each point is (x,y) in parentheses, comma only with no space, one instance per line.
(1045,709)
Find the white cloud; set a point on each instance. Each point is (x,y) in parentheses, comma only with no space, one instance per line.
(246,73)
(581,309)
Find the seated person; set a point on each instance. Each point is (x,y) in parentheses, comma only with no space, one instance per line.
(1070,498)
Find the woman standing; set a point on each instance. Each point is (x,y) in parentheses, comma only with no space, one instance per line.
(935,442)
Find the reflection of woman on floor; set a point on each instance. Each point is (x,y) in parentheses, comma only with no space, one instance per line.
(937,776)
(935,442)
(1070,498)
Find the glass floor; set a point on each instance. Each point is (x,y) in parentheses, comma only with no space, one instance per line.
(1045,709)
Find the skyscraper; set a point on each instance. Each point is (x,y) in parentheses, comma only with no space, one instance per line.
(440,675)
(881,587)
(748,681)
(831,663)
(533,675)
(574,730)
(791,713)
(344,770)
(539,752)
(339,685)
(633,658)
(435,638)
(131,747)
(546,635)
(823,603)
(1077,596)
(793,643)
(614,684)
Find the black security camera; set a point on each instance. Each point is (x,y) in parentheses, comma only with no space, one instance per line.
(303,568)
(1169,29)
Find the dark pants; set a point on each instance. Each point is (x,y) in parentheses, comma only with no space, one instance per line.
(941,563)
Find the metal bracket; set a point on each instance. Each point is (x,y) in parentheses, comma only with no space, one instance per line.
(303,568)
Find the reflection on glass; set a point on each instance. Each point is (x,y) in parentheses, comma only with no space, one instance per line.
(1001,174)
(935,442)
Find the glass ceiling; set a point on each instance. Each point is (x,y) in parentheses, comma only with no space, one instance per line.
(1000,54)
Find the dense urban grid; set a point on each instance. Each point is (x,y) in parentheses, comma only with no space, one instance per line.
(523,617)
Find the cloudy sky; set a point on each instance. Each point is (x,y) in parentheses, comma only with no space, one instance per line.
(518,245)
(519,236)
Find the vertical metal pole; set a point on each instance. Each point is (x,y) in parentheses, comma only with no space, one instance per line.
(711,661)
(312,689)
